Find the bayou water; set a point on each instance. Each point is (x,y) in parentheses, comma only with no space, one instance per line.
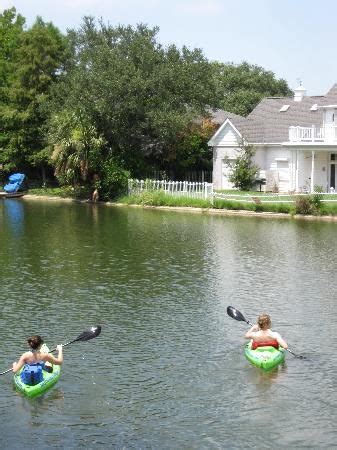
(167,371)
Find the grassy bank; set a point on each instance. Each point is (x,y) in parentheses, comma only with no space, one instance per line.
(79,193)
(309,205)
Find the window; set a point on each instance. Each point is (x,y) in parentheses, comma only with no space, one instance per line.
(282,164)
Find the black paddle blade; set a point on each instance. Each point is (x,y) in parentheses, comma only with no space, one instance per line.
(85,336)
(90,334)
(235,314)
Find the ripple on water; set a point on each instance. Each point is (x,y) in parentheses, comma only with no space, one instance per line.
(168,369)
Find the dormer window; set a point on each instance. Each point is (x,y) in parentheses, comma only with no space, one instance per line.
(314,107)
(284,108)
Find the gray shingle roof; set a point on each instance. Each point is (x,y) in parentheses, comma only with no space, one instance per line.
(266,124)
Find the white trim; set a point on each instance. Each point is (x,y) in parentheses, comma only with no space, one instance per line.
(281,159)
(308,144)
(312,171)
(227,121)
(327,106)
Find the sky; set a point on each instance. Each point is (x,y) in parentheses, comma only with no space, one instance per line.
(292,38)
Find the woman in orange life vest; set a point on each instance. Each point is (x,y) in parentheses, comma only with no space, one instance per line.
(262,335)
(36,355)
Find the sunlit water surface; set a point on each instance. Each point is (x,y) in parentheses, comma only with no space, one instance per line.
(167,371)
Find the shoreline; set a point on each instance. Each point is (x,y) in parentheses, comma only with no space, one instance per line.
(190,209)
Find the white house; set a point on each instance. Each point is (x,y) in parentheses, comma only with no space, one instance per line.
(295,139)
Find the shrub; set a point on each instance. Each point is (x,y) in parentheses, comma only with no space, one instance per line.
(243,171)
(113,179)
(303,205)
(317,197)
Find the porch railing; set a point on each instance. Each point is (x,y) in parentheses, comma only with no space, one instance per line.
(326,133)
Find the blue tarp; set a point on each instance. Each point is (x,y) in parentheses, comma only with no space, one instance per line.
(15,182)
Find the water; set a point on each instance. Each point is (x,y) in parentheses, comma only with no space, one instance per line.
(168,371)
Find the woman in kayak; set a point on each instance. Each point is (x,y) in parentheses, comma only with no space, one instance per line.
(36,355)
(263,336)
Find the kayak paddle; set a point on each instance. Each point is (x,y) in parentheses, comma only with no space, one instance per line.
(85,336)
(237,315)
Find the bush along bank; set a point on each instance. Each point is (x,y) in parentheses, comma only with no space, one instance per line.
(309,205)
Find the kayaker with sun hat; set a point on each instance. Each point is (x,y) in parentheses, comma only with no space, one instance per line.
(263,336)
(36,355)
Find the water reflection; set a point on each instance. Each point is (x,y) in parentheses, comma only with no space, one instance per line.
(14,213)
(264,380)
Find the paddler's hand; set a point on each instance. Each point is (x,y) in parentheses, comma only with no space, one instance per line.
(59,347)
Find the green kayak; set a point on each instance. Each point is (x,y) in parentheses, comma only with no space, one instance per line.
(264,357)
(48,380)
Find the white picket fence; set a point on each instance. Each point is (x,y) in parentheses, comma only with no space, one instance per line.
(205,191)
(176,188)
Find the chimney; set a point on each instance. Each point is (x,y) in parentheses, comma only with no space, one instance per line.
(300,92)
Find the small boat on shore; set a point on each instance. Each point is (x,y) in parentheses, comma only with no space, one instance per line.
(15,186)
(11,194)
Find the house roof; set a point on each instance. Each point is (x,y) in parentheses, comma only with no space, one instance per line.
(267,124)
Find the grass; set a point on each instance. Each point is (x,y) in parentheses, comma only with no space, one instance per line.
(159,198)
(63,192)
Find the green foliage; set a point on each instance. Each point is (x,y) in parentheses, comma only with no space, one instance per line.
(11,27)
(160,198)
(241,87)
(113,179)
(77,192)
(35,62)
(260,207)
(104,99)
(243,171)
(192,151)
(139,96)
(303,205)
(310,204)
(317,197)
(77,147)
(328,209)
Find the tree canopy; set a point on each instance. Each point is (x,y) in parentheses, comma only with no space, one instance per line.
(106,102)
(138,96)
(241,87)
(35,63)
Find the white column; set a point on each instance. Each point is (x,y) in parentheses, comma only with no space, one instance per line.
(296,173)
(312,171)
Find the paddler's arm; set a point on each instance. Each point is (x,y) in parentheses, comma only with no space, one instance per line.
(250,333)
(59,360)
(280,340)
(17,365)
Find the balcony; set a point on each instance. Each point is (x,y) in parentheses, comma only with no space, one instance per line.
(325,134)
